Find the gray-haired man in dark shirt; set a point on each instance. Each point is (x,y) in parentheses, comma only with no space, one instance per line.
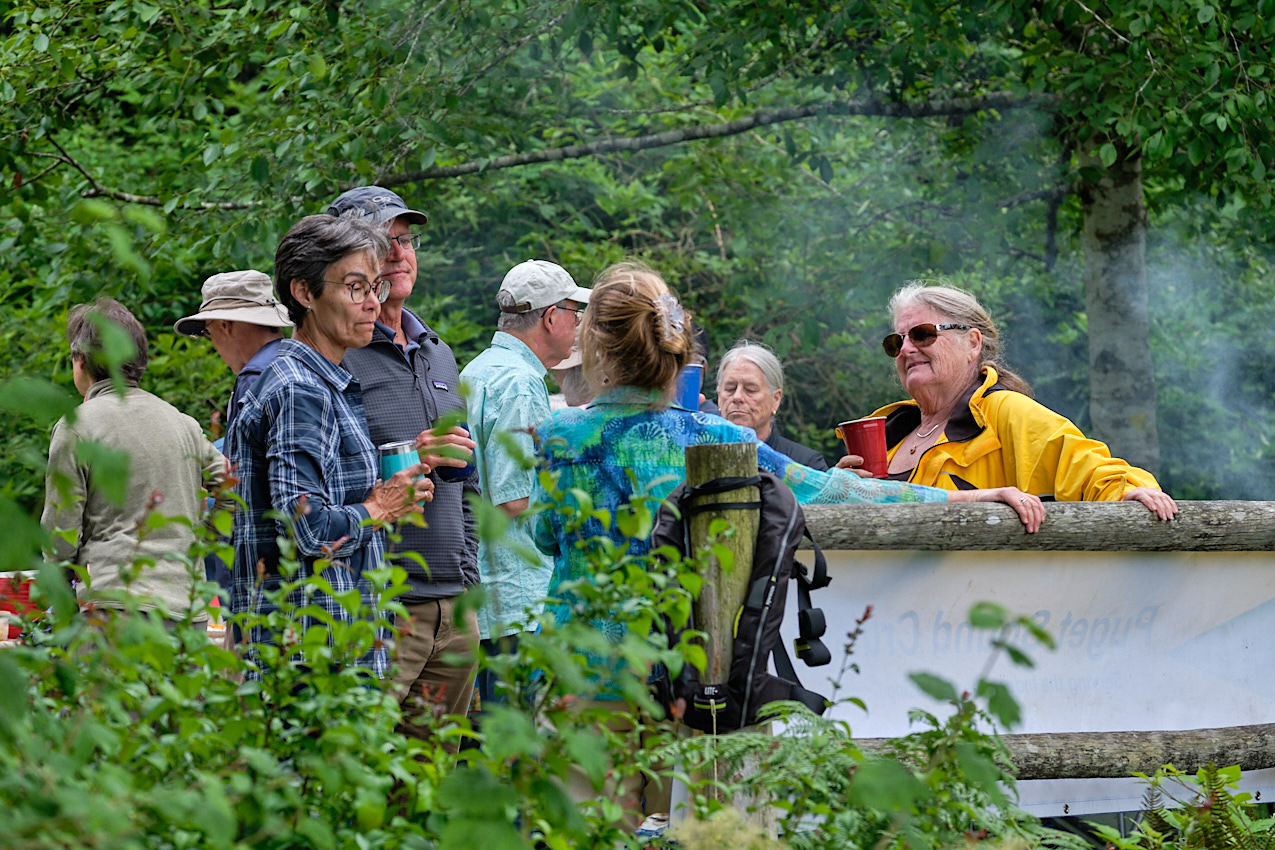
(409,378)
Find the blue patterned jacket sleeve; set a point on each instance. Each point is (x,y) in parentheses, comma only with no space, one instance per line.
(838,487)
(305,426)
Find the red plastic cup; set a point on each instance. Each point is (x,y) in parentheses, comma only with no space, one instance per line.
(866,438)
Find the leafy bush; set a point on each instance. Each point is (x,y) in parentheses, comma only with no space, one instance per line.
(130,732)
(127,731)
(1184,812)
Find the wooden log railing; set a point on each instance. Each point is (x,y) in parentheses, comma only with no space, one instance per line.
(1068,526)
(1224,526)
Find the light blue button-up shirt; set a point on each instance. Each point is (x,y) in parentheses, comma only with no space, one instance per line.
(507,398)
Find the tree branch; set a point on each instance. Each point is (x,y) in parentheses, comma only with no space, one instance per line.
(762,118)
(1115,755)
(70,160)
(152,201)
(510,50)
(97,190)
(807,173)
(1053,194)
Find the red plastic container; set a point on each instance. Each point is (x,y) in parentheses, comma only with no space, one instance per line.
(866,438)
(15,598)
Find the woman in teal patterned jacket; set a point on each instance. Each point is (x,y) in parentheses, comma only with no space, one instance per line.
(635,338)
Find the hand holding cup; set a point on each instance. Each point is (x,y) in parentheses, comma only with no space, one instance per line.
(448,450)
(865,447)
(853,463)
(401,494)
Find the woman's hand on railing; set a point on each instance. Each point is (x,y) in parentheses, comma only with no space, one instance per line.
(1028,507)
(1158,502)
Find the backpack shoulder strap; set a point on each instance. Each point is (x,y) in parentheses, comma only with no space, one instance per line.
(811,624)
(692,505)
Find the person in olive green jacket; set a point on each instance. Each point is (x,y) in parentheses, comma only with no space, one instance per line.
(170,464)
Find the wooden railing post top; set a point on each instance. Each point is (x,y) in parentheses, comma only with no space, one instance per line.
(723,591)
(707,461)
(1069,526)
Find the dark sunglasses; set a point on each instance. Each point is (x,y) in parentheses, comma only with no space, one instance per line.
(922,336)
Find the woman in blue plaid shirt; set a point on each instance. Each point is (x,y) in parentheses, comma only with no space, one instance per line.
(301,444)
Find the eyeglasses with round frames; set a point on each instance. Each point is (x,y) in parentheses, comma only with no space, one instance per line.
(922,336)
(361,289)
(566,308)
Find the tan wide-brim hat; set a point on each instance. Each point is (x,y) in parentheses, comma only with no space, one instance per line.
(244,296)
(574,359)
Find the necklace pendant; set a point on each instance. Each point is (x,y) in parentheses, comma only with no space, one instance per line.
(912,450)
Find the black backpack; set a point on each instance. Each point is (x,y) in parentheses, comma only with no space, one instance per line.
(733,704)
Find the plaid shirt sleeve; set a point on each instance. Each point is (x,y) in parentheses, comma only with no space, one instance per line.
(309,434)
(302,450)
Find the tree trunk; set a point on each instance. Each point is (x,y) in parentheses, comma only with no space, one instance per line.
(1121,377)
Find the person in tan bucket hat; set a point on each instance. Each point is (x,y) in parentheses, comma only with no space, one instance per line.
(240,315)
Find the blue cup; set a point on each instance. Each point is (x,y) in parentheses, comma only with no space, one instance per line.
(455,473)
(688,386)
(395,457)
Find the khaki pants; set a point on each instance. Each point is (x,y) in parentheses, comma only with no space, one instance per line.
(425,681)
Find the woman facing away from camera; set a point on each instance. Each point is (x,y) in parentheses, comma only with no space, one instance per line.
(635,338)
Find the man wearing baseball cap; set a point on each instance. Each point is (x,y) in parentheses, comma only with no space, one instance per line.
(240,315)
(409,379)
(540,306)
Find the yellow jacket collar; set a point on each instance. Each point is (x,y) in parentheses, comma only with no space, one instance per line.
(966,423)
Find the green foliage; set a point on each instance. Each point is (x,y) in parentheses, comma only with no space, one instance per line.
(1201,812)
(149,145)
(127,731)
(938,787)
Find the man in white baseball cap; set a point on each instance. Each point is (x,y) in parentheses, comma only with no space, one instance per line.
(537,284)
(243,319)
(540,307)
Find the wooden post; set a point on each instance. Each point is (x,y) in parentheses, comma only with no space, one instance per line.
(723,591)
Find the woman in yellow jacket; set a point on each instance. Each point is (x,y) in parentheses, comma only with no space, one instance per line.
(972,423)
